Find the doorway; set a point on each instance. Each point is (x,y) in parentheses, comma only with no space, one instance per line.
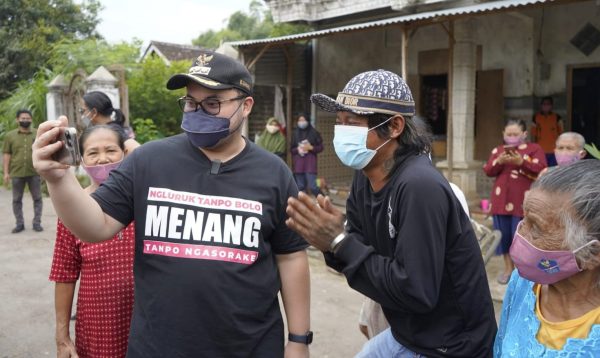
(434,103)
(584,108)
(489,112)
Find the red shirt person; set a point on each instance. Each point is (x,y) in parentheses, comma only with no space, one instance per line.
(105,298)
(515,165)
(105,270)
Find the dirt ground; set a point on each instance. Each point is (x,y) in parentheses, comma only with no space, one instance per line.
(27,309)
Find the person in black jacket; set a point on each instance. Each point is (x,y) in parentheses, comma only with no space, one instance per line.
(407,243)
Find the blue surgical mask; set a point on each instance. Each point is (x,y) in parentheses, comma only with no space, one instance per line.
(302,125)
(204,130)
(350,143)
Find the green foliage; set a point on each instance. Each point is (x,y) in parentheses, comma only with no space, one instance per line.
(150,98)
(65,57)
(212,39)
(145,130)
(255,24)
(40,39)
(69,55)
(84,180)
(29,29)
(284,29)
(29,95)
(594,152)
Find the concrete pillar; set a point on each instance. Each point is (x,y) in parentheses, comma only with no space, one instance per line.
(463,92)
(102,80)
(463,110)
(55,98)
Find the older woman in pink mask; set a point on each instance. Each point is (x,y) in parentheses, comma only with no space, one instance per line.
(105,270)
(552,305)
(568,150)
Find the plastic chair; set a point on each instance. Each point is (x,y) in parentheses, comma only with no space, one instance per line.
(488,240)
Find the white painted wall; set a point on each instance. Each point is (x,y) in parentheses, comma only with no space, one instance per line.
(501,48)
(341,57)
(561,23)
(307,10)
(509,41)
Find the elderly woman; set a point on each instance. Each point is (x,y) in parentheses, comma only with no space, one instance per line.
(552,306)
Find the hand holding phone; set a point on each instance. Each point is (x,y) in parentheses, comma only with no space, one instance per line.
(510,149)
(69,152)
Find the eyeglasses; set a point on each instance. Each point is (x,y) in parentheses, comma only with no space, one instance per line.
(210,106)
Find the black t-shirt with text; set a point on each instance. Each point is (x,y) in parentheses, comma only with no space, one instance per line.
(206,279)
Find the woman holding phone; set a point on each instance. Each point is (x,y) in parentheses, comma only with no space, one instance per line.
(515,165)
(104,270)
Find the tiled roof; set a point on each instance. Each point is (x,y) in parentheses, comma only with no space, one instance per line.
(174,52)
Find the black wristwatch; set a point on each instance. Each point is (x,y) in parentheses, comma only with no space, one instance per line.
(305,338)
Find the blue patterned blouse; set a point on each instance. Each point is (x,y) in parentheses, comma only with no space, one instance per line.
(519,326)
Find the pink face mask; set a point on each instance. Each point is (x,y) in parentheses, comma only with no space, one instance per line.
(99,173)
(542,266)
(566,159)
(513,140)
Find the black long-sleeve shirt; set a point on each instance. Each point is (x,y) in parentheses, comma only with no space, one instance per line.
(411,248)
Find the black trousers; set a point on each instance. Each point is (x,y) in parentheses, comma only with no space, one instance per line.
(35,188)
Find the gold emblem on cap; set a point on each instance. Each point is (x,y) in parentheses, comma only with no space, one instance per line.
(204,59)
(199,70)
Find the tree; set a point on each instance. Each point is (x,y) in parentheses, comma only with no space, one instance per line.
(64,58)
(255,24)
(69,55)
(212,39)
(29,95)
(145,130)
(150,98)
(30,28)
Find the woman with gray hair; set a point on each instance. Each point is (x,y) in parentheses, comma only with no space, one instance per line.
(552,306)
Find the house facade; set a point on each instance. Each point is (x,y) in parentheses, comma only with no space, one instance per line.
(469,64)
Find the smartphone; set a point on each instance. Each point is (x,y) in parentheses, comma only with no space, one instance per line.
(69,152)
(510,149)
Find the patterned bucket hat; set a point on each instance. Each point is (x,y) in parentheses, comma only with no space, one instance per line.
(371,92)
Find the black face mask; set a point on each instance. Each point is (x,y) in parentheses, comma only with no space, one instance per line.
(25,124)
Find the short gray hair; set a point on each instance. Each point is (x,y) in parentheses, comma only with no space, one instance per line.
(573,135)
(580,181)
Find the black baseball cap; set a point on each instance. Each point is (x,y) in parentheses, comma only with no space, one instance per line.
(215,71)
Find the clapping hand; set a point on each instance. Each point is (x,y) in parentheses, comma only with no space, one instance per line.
(318,223)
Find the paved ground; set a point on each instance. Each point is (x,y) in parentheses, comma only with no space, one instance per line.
(27,309)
